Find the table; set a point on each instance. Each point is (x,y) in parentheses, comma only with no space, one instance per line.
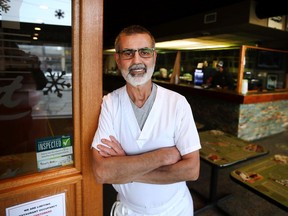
(220,149)
(267,177)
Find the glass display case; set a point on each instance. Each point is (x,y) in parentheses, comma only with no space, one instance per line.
(261,69)
(264,69)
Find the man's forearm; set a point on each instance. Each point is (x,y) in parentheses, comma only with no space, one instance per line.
(184,170)
(124,169)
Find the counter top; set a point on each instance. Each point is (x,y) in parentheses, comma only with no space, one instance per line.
(228,95)
(111,82)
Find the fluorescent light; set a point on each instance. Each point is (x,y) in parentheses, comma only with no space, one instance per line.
(176,43)
(109,51)
(192,43)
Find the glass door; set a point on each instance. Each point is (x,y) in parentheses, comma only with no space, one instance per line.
(47,90)
(36,121)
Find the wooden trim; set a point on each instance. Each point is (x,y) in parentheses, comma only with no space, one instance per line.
(241,69)
(261,98)
(176,69)
(76,82)
(22,181)
(263,48)
(87,59)
(76,11)
(63,180)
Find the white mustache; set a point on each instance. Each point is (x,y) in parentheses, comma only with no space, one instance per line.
(137,67)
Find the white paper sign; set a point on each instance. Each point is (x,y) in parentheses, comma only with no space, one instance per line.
(48,206)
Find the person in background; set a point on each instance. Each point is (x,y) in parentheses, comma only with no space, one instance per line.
(208,73)
(146,143)
(222,78)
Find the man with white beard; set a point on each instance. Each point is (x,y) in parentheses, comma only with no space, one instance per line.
(146,143)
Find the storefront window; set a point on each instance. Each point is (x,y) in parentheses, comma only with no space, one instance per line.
(36,121)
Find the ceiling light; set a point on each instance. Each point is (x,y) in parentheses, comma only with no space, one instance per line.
(176,44)
(109,51)
(192,44)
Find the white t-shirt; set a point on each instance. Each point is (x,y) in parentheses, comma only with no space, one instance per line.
(169,123)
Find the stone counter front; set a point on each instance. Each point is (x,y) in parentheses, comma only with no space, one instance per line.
(249,117)
(246,121)
(262,119)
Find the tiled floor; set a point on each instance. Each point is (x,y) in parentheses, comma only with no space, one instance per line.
(240,201)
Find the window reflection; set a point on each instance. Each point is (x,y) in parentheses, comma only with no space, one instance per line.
(35,80)
(265,69)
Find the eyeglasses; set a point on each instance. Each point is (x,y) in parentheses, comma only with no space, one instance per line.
(130,53)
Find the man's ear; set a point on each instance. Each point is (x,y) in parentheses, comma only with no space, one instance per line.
(155,55)
(116,57)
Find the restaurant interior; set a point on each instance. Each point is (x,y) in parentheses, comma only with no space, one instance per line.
(175,27)
(249,36)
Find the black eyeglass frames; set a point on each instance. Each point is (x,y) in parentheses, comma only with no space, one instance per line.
(130,53)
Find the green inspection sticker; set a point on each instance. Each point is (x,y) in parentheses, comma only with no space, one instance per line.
(66,142)
(54,151)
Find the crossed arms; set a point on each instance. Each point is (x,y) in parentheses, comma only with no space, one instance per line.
(161,166)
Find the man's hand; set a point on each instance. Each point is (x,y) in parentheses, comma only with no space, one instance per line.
(113,148)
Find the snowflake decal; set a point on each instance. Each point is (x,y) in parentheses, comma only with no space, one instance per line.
(55,83)
(59,14)
(4,6)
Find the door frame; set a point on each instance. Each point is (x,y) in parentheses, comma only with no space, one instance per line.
(87,58)
(83,195)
